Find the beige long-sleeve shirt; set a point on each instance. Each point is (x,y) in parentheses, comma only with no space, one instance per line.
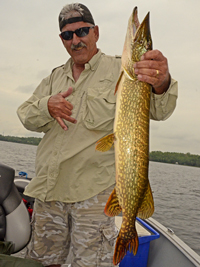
(68,168)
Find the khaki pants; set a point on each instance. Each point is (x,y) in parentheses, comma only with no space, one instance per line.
(79,233)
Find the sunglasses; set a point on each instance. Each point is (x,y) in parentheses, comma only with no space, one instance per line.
(81,32)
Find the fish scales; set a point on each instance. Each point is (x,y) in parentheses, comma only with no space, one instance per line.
(132,194)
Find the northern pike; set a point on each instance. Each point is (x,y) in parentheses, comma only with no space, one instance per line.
(132,194)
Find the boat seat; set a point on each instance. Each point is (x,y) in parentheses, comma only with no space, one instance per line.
(14,217)
(2,224)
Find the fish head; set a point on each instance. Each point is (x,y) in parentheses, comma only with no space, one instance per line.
(133,24)
(142,41)
(137,42)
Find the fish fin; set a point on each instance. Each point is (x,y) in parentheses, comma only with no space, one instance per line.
(117,85)
(112,207)
(123,246)
(105,143)
(129,75)
(146,210)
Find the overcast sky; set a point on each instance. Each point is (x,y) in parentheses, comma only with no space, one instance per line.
(30,48)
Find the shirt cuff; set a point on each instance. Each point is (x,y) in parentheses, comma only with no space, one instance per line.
(43,106)
(172,90)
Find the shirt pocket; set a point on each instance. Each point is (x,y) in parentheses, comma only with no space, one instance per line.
(99,112)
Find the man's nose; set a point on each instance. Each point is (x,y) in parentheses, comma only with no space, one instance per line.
(75,39)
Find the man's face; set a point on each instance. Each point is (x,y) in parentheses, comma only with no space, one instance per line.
(83,54)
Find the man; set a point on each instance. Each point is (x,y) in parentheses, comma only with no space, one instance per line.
(75,107)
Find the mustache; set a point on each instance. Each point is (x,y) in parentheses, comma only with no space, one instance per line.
(79,45)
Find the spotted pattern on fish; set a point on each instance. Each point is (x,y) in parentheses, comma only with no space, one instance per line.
(131,135)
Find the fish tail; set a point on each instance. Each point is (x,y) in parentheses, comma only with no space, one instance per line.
(124,245)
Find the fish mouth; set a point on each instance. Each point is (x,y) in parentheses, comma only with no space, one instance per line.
(144,26)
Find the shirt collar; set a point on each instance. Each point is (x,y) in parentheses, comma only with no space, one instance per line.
(94,61)
(92,64)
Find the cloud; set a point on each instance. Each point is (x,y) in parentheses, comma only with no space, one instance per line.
(42,74)
(28,89)
(30,48)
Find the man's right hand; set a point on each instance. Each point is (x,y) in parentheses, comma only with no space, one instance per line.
(60,109)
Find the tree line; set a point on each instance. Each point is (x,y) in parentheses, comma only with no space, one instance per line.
(158,156)
(23,140)
(175,158)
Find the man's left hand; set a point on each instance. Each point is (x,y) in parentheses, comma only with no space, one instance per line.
(153,69)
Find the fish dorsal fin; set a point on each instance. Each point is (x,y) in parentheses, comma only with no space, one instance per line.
(112,207)
(105,143)
(146,210)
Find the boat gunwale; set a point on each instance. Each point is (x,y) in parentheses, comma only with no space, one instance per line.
(175,240)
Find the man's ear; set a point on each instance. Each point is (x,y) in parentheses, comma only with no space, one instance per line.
(61,38)
(96,31)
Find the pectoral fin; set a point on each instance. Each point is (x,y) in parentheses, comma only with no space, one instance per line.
(112,207)
(105,143)
(147,208)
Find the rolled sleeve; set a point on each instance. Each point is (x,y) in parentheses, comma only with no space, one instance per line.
(43,106)
(34,113)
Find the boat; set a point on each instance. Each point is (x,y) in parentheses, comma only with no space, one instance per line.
(158,245)
(169,250)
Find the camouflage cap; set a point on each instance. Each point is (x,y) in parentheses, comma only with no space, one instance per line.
(84,14)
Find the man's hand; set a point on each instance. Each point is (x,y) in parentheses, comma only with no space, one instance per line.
(153,69)
(61,109)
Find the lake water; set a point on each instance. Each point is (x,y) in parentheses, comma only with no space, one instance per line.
(176,190)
